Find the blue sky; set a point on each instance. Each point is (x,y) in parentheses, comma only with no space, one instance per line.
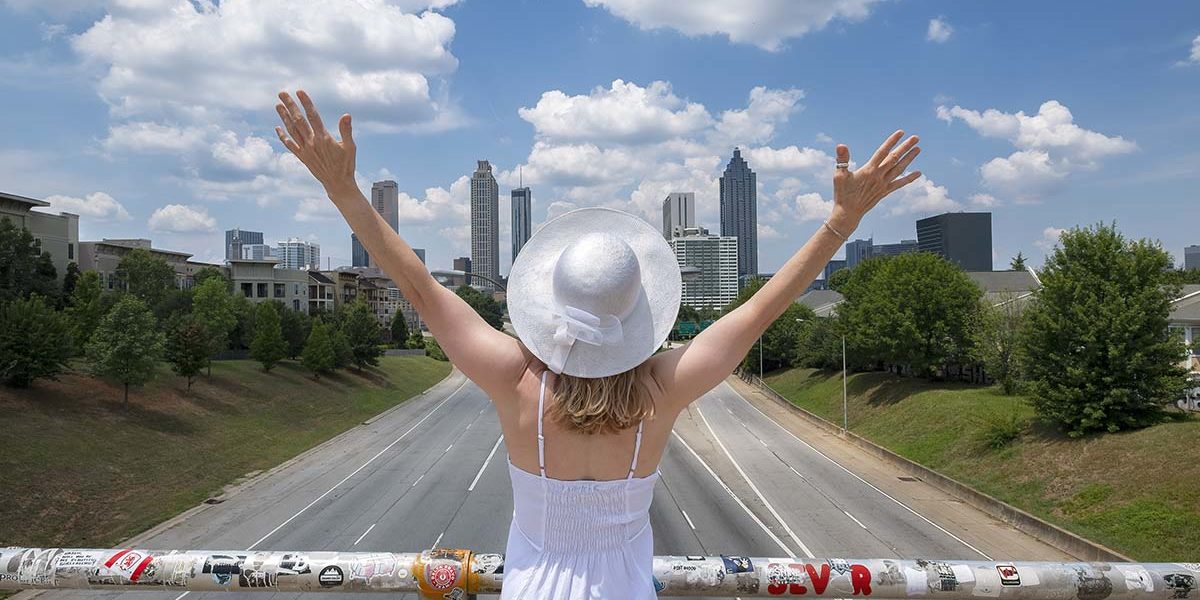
(154,118)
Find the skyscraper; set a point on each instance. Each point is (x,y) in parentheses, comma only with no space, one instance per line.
(485,225)
(521,207)
(236,238)
(739,212)
(296,253)
(963,238)
(858,251)
(679,213)
(358,254)
(716,257)
(385,198)
(1191,257)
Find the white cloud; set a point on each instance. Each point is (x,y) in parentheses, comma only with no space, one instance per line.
(922,196)
(823,138)
(766,232)
(756,123)
(811,207)
(180,218)
(1049,238)
(1195,56)
(376,60)
(939,31)
(97,206)
(148,137)
(789,160)
(1050,147)
(313,209)
(983,200)
(624,112)
(764,23)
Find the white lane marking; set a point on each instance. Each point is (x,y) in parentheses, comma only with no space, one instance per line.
(729,491)
(471,488)
(439,538)
(796,472)
(855,520)
(418,480)
(360,538)
(855,475)
(778,517)
(689,519)
(355,472)
(180,597)
(447,448)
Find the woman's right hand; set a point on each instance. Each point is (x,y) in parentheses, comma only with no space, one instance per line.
(857,192)
(329,160)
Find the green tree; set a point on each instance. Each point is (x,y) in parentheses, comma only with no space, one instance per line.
(268,346)
(1018,263)
(361,329)
(242,332)
(85,308)
(212,307)
(837,279)
(206,273)
(174,303)
(295,326)
(343,353)
(1184,276)
(319,356)
(914,310)
(778,344)
(416,341)
(1100,355)
(434,350)
(24,268)
(146,276)
(35,341)
(399,330)
(821,345)
(127,345)
(70,279)
(484,304)
(188,348)
(998,337)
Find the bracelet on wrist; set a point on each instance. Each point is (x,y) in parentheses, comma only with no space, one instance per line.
(844,238)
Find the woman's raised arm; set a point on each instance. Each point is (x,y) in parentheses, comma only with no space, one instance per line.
(684,374)
(490,358)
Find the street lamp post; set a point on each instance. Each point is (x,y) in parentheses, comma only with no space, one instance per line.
(845,404)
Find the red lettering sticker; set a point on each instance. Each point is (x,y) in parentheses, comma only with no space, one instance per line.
(860,579)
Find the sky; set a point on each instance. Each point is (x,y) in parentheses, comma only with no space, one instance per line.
(155,118)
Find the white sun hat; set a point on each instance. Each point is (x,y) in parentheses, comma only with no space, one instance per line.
(594,292)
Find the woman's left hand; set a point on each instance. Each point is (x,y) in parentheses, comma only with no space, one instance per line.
(329,160)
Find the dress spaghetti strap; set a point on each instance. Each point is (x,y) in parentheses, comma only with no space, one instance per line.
(541,439)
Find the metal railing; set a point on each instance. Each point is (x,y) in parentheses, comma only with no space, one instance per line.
(456,574)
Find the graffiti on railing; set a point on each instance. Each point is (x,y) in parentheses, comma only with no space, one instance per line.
(455,574)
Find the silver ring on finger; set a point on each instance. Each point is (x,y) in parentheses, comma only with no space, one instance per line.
(842,165)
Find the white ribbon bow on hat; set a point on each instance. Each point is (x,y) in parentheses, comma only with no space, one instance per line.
(578,325)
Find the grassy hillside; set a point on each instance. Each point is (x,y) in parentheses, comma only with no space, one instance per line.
(78,469)
(1136,492)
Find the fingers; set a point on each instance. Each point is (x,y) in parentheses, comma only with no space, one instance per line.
(345,129)
(300,129)
(903,181)
(314,117)
(904,161)
(843,154)
(894,156)
(288,121)
(885,147)
(287,142)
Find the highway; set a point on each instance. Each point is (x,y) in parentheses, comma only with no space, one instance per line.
(734,481)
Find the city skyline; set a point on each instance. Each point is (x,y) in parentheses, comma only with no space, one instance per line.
(138,154)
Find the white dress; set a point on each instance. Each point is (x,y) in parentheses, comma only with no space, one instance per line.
(577,540)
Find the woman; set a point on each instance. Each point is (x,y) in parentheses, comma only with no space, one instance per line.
(592,296)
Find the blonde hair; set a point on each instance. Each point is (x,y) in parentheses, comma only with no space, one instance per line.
(601,404)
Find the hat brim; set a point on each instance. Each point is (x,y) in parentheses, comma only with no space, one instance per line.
(531,292)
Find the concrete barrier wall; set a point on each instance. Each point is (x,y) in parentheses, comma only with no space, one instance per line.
(404,352)
(1075,545)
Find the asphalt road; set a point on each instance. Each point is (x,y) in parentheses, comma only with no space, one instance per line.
(734,481)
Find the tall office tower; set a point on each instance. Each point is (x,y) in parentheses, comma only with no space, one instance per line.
(679,213)
(358,254)
(385,198)
(522,202)
(485,225)
(963,238)
(739,212)
(858,251)
(902,247)
(298,254)
(236,238)
(463,264)
(1191,257)
(420,252)
(256,252)
(716,257)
